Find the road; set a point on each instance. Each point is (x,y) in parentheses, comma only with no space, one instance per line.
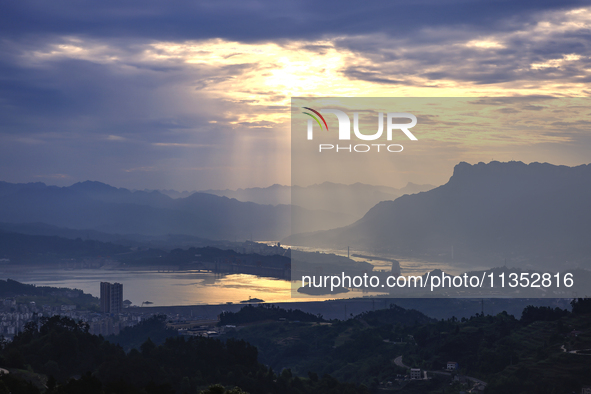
(563,348)
(398,361)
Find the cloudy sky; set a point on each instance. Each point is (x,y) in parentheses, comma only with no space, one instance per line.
(196,95)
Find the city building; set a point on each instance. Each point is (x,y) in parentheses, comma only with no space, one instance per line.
(105,327)
(452,365)
(111,297)
(415,373)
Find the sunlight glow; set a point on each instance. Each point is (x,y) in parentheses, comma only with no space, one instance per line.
(485,44)
(259,76)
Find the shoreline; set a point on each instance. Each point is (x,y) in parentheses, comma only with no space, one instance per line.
(341,309)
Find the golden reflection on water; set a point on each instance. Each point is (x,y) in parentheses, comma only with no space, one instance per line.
(170,288)
(203,287)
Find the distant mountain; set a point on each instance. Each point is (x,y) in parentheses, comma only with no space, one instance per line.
(355,199)
(273,195)
(165,242)
(24,248)
(98,206)
(49,230)
(174,193)
(528,214)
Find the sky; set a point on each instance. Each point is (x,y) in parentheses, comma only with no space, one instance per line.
(448,130)
(192,95)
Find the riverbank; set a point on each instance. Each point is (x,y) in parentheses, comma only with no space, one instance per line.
(346,308)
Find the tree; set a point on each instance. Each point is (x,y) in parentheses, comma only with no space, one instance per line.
(581,306)
(219,389)
(147,347)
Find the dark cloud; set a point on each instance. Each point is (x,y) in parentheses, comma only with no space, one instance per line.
(64,120)
(118,115)
(523,55)
(373,76)
(262,20)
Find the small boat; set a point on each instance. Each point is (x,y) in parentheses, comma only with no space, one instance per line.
(252,300)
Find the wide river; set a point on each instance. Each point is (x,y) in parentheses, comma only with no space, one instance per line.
(169,288)
(190,287)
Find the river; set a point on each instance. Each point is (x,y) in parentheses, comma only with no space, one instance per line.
(195,287)
(168,288)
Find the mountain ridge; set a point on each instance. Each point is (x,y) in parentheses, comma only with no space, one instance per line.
(98,206)
(488,211)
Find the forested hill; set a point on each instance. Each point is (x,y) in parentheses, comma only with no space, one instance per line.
(394,315)
(266,312)
(545,350)
(179,365)
(25,248)
(48,295)
(42,249)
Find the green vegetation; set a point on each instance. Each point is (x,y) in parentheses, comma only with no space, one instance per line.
(45,295)
(264,312)
(42,249)
(358,350)
(153,328)
(544,313)
(187,258)
(544,365)
(513,355)
(219,389)
(545,351)
(78,362)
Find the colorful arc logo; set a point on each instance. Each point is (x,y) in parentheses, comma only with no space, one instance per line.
(315,118)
